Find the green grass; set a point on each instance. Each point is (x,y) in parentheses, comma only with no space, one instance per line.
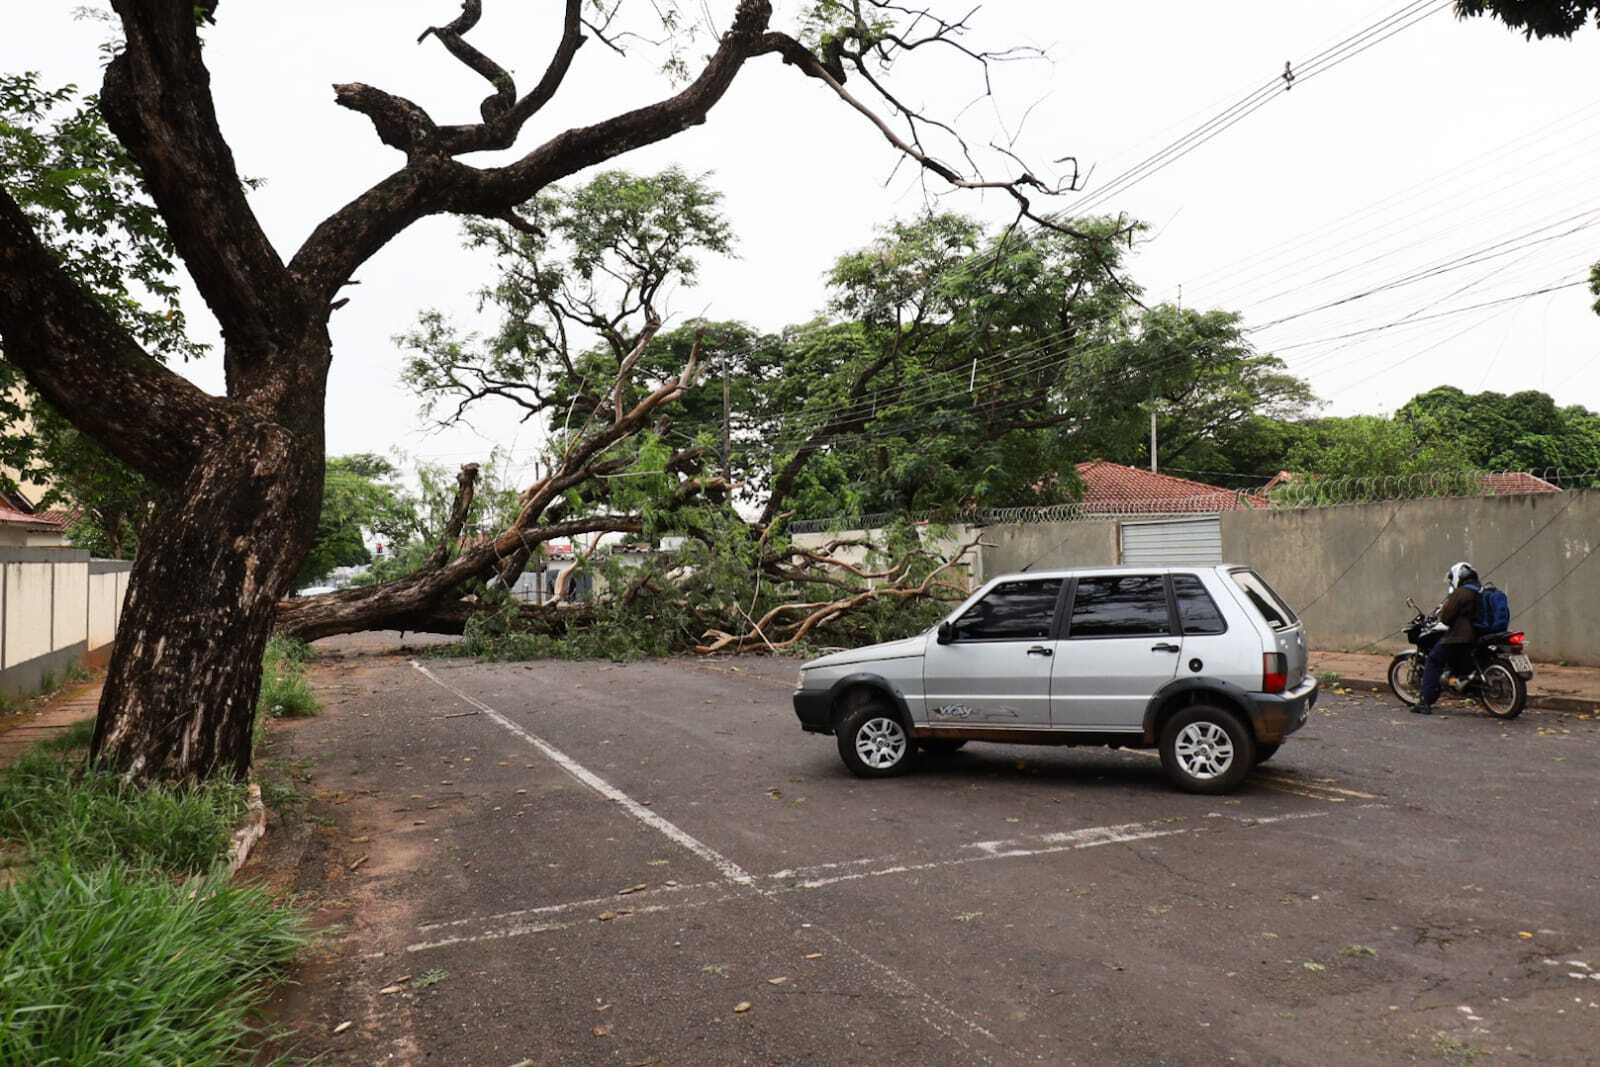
(123,941)
(51,806)
(110,964)
(285,691)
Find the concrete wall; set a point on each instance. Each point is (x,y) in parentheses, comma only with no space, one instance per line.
(973,569)
(1046,545)
(57,608)
(1385,552)
(1349,569)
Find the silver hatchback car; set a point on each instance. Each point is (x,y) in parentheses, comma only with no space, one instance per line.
(1207,664)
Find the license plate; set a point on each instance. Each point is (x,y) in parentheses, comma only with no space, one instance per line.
(1521,665)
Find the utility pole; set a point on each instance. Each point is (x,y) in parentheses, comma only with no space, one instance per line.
(1152,435)
(726,405)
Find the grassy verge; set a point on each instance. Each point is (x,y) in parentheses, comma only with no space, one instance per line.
(285,691)
(122,939)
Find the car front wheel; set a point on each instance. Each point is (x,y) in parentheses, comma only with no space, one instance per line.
(874,743)
(1207,750)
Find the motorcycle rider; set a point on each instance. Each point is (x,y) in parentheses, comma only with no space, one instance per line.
(1453,651)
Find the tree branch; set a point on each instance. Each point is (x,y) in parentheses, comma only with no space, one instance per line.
(86,365)
(157,100)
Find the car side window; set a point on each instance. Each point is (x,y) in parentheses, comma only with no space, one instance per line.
(1122,605)
(1197,612)
(1011,611)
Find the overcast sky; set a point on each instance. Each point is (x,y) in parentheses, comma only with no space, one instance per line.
(1453,151)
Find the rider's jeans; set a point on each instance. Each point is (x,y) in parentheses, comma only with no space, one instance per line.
(1440,658)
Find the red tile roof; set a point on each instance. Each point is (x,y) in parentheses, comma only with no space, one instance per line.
(1513,482)
(1114,487)
(44,520)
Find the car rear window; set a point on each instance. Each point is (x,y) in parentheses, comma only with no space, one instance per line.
(1197,612)
(1271,606)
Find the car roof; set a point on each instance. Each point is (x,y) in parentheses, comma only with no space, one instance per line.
(1124,568)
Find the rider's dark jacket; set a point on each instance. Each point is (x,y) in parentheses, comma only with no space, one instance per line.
(1457,612)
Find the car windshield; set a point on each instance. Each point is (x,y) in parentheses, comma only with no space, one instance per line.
(1271,606)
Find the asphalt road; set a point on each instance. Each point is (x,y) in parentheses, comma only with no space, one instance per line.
(602,864)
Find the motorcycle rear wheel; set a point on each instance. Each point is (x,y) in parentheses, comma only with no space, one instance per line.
(1405,677)
(1503,693)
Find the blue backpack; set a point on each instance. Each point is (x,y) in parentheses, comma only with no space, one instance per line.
(1494,611)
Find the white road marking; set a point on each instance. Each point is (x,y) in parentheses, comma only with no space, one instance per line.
(728,869)
(986,851)
(1303,783)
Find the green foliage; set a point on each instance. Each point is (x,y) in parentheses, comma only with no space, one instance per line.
(667,603)
(51,806)
(285,691)
(1523,431)
(593,260)
(1536,18)
(359,496)
(102,964)
(85,198)
(123,939)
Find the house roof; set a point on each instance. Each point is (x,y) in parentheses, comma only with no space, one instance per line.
(1114,487)
(43,520)
(1512,482)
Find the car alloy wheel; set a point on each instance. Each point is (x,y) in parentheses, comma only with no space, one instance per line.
(1204,750)
(881,743)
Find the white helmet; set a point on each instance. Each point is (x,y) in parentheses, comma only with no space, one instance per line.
(1461,572)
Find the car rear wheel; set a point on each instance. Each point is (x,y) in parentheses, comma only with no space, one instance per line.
(1207,750)
(873,742)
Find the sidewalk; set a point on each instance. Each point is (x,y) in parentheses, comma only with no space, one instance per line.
(1555,687)
(20,732)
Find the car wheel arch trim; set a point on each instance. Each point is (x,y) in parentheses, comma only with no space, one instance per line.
(840,689)
(1183,692)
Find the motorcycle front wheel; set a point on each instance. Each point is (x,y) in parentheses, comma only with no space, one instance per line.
(1405,677)
(1503,692)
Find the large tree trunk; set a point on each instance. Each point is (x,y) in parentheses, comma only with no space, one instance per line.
(180,696)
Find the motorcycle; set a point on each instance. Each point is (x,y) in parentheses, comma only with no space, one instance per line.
(1500,667)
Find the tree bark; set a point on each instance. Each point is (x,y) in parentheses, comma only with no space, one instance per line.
(180,693)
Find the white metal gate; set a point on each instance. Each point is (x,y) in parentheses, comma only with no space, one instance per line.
(1192,540)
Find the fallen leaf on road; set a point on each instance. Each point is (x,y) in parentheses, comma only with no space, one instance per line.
(813,955)
(1526,935)
(363,839)
(742,1007)
(777,981)
(359,862)
(1313,967)
(386,990)
(607,916)
(342,1027)
(632,889)
(601,1031)
(775,794)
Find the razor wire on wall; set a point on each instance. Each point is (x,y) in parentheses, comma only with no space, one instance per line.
(1284,492)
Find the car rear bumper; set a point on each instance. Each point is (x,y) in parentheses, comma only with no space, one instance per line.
(813,708)
(1276,716)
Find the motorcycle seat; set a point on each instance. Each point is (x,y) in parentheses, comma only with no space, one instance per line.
(1495,638)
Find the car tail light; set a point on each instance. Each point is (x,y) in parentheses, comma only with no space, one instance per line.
(1274,672)
(1516,640)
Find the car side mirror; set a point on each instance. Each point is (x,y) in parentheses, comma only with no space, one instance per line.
(947,632)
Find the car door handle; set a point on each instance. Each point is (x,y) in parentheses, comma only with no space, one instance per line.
(1165,648)
(1040,650)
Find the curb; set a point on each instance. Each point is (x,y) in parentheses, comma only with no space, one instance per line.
(252,830)
(1535,700)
